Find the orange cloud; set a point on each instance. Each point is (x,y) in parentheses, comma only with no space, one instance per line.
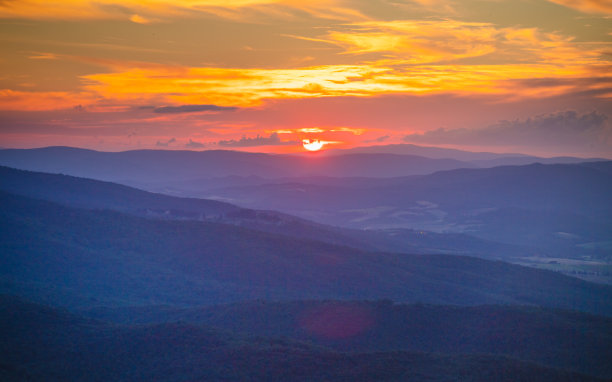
(157,84)
(419,42)
(44,56)
(34,101)
(588,6)
(235,87)
(146,11)
(312,130)
(141,20)
(349,130)
(406,57)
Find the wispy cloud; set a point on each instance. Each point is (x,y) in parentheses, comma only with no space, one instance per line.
(311,130)
(588,6)
(418,41)
(234,87)
(30,101)
(144,12)
(250,87)
(435,41)
(408,56)
(351,130)
(220,89)
(209,89)
(44,56)
(379,139)
(191,109)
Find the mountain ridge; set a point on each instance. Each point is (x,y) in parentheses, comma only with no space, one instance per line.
(84,257)
(142,166)
(89,193)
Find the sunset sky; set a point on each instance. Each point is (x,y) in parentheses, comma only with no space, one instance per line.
(531,76)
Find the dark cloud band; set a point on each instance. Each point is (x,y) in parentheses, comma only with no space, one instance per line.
(191,109)
(272,140)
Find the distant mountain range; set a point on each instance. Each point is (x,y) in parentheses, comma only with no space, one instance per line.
(157,167)
(426,151)
(486,159)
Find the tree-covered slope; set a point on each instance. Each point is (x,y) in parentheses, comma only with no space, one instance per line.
(556,338)
(39,343)
(83,257)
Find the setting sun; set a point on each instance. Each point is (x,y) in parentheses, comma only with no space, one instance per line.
(312,144)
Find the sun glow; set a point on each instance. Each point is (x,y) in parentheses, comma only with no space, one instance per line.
(312,144)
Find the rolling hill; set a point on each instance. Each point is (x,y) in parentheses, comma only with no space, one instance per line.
(93,194)
(76,257)
(39,343)
(141,167)
(561,210)
(555,338)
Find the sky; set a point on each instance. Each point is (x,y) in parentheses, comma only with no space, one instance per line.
(530,76)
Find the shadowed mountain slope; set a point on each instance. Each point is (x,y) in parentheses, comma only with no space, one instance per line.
(81,257)
(94,194)
(38,343)
(556,338)
(561,210)
(578,188)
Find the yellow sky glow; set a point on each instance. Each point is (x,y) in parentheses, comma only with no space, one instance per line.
(283,56)
(250,87)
